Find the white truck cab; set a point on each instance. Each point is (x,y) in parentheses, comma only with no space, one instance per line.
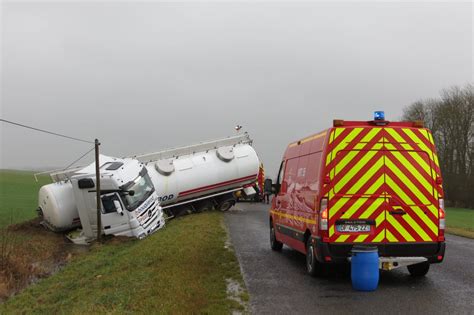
(129,202)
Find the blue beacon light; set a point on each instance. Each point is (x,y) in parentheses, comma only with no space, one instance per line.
(379,115)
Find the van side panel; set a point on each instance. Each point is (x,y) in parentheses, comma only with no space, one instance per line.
(294,208)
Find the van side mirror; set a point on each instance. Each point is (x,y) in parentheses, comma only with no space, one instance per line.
(275,189)
(118,207)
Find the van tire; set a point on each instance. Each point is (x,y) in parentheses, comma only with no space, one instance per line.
(313,266)
(274,243)
(419,270)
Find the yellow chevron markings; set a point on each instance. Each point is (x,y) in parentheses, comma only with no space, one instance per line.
(422,180)
(406,181)
(331,230)
(365,178)
(415,155)
(421,144)
(348,139)
(342,238)
(406,235)
(379,238)
(361,238)
(390,237)
(400,193)
(408,219)
(341,202)
(360,201)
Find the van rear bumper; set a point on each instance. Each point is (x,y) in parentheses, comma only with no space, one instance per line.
(338,253)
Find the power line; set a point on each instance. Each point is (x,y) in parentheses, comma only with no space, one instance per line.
(79,158)
(45,131)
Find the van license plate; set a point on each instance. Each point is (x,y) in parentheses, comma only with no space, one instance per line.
(353,228)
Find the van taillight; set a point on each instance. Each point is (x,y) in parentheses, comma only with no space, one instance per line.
(442,215)
(323,215)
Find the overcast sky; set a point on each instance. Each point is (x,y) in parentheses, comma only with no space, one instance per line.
(146,76)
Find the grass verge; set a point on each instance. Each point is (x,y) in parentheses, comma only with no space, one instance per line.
(184,268)
(460,221)
(19,196)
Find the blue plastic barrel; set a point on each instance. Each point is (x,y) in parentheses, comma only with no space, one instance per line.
(365,268)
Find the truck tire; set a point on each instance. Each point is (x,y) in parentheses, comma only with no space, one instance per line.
(419,270)
(225,202)
(313,266)
(274,243)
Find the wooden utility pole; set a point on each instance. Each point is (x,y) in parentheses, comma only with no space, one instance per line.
(97,183)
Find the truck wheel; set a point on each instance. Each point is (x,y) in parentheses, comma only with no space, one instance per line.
(419,270)
(274,243)
(313,266)
(225,205)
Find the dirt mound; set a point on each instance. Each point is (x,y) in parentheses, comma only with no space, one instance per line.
(29,252)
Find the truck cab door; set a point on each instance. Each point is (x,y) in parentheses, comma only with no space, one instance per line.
(115,219)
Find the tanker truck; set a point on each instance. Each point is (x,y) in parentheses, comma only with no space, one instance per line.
(204,175)
(136,190)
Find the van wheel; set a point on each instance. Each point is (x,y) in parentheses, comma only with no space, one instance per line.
(313,266)
(419,270)
(274,243)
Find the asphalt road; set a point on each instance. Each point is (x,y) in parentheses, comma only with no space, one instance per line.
(278,283)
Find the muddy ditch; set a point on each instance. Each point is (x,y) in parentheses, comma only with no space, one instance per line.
(29,252)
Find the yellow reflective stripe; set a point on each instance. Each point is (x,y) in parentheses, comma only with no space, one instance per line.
(390,237)
(379,237)
(415,155)
(356,168)
(378,221)
(433,209)
(408,219)
(407,200)
(348,139)
(360,201)
(341,202)
(422,163)
(406,181)
(331,230)
(407,236)
(361,238)
(352,154)
(365,178)
(422,180)
(342,238)
(319,135)
(294,217)
(337,132)
(426,134)
(395,135)
(400,192)
(421,144)
(374,206)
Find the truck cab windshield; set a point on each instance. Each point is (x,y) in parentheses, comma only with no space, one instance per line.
(142,187)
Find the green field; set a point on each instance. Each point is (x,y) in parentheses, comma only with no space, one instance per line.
(18,196)
(460,221)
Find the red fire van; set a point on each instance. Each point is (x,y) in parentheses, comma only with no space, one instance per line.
(374,183)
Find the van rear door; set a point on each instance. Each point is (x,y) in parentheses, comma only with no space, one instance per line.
(382,187)
(412,214)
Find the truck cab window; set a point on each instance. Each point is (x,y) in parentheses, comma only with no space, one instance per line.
(108,203)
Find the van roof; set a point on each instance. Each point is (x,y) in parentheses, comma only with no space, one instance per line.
(354,123)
